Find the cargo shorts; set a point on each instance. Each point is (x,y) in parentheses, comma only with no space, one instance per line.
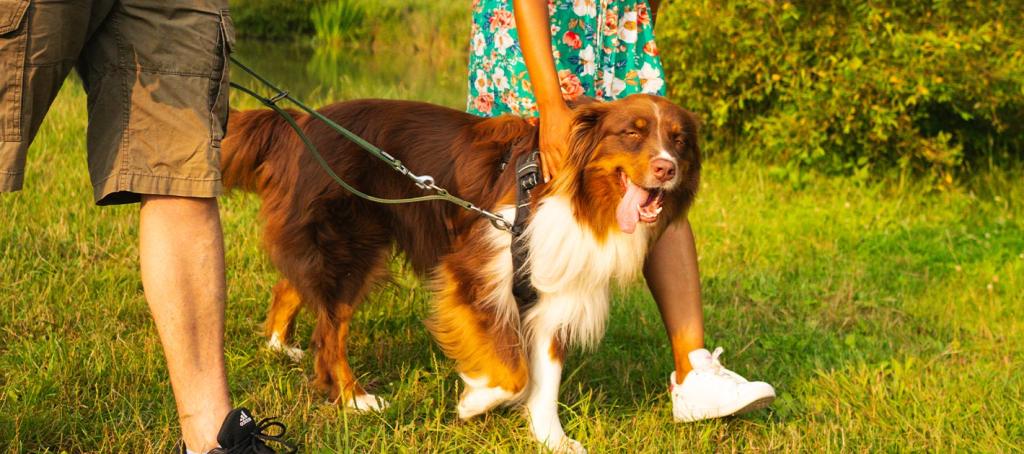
(156,76)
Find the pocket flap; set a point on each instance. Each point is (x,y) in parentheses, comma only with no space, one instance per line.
(11,14)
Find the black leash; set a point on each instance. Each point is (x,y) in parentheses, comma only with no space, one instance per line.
(527,177)
(425,182)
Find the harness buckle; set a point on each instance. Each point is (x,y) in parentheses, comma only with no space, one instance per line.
(528,170)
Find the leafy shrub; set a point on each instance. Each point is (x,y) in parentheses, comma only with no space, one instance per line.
(851,86)
(273,19)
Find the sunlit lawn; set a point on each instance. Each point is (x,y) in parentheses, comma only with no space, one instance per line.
(888,318)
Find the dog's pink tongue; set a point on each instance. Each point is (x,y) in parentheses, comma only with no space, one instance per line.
(627,213)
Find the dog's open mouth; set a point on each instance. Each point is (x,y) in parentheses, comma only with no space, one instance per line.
(638,204)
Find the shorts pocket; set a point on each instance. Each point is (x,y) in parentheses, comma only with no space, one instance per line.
(13,39)
(11,14)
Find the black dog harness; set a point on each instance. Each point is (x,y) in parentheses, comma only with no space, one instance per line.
(527,178)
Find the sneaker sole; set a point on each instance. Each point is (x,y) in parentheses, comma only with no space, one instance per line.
(754,405)
(758,404)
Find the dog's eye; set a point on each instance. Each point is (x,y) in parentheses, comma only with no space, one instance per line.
(633,134)
(678,140)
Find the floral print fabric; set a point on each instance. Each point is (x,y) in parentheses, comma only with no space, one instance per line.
(602,48)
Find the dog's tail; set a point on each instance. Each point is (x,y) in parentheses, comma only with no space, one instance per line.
(252,137)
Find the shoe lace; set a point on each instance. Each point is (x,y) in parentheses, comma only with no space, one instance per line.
(718,369)
(263,434)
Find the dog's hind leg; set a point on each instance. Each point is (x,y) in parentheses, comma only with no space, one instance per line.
(280,323)
(487,350)
(333,371)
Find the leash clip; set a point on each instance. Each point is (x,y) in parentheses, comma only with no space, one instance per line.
(424,182)
(501,223)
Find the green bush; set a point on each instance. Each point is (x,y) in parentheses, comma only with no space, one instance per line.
(273,19)
(852,86)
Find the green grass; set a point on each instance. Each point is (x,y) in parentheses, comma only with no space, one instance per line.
(889,319)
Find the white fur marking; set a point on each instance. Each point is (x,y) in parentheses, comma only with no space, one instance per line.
(542,403)
(663,148)
(499,294)
(663,154)
(276,345)
(572,272)
(479,398)
(367,403)
(657,124)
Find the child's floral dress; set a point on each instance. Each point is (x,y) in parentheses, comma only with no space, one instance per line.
(603,49)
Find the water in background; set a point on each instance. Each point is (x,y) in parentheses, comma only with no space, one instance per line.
(319,76)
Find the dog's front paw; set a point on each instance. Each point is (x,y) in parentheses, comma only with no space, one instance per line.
(275,344)
(567,446)
(477,399)
(557,442)
(367,403)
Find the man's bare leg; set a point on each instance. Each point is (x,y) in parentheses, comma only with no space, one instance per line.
(181,250)
(673,277)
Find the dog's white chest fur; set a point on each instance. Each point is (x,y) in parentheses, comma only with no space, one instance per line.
(573,271)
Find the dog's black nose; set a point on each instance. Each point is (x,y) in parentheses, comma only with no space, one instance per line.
(664,170)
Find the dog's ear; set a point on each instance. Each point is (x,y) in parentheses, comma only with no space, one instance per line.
(500,131)
(583,135)
(491,139)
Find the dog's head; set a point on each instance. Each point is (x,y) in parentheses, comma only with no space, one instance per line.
(631,162)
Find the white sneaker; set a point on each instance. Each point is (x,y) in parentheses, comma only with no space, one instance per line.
(712,391)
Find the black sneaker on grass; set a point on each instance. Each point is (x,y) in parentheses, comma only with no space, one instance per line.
(241,434)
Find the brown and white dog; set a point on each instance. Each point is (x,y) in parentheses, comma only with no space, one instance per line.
(633,168)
